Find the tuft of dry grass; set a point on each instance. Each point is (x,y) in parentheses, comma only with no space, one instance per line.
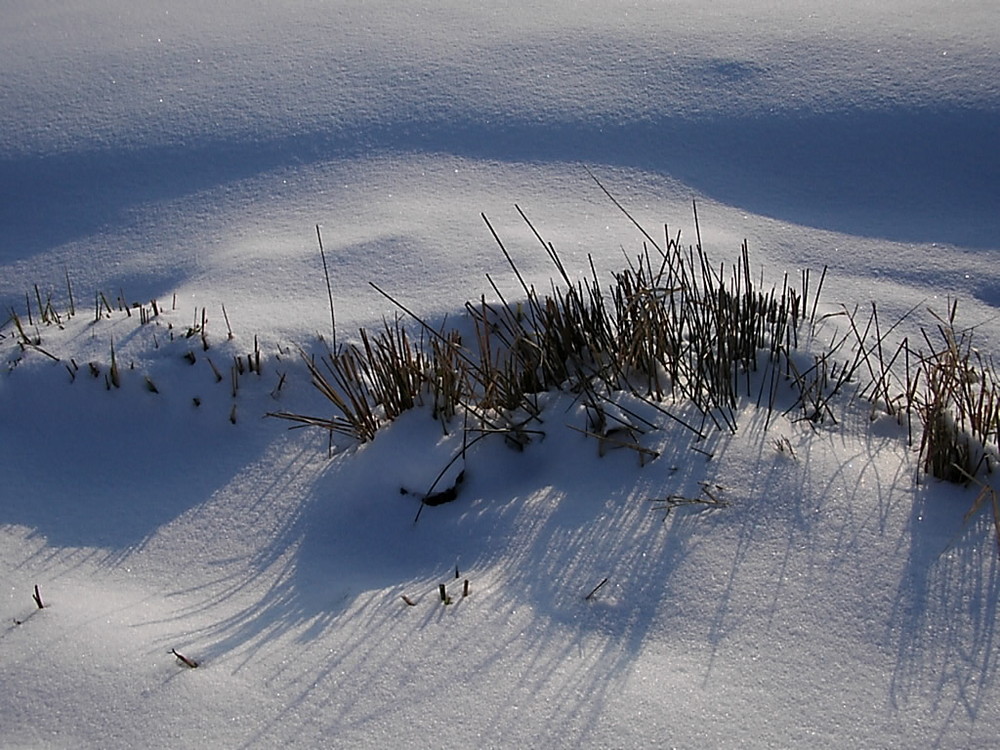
(671,328)
(956,394)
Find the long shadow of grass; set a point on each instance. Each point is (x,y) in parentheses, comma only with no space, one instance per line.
(946,607)
(534,532)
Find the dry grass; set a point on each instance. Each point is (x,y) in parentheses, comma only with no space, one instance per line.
(956,394)
(672,330)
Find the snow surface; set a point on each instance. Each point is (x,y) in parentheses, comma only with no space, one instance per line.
(185,152)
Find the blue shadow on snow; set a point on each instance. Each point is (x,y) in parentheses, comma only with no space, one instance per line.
(911,175)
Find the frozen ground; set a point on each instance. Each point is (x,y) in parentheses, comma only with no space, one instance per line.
(186,154)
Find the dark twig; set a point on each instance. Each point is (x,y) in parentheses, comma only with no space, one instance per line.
(184,659)
(597,588)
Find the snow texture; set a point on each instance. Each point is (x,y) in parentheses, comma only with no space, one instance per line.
(184,152)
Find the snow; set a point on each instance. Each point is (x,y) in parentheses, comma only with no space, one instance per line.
(185,153)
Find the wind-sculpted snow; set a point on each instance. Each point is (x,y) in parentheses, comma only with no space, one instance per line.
(181,155)
(867,133)
(907,175)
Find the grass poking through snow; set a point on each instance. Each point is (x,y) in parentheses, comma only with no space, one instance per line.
(683,338)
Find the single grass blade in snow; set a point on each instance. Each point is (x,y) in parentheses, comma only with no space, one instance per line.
(329,290)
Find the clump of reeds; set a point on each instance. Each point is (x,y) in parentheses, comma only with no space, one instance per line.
(942,382)
(672,327)
(956,394)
